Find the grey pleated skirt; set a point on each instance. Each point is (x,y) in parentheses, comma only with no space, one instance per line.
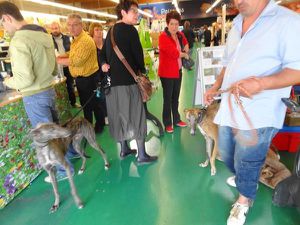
(126,113)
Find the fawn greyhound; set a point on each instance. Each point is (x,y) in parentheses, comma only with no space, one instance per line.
(51,142)
(203,119)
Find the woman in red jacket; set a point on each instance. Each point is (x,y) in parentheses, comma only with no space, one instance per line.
(172,47)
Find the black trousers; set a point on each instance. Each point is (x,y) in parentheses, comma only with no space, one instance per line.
(70,85)
(171,91)
(86,87)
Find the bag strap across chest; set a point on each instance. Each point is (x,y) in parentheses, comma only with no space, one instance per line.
(121,56)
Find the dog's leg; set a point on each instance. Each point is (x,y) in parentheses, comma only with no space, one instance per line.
(209,143)
(72,185)
(205,163)
(92,141)
(213,169)
(76,145)
(52,172)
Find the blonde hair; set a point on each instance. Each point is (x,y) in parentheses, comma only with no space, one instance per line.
(93,26)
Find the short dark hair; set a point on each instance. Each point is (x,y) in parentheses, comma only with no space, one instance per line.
(173,15)
(125,5)
(11,9)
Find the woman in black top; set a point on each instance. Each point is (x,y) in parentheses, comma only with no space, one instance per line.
(125,109)
(96,32)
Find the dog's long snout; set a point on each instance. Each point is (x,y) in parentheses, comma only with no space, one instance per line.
(192,124)
(192,131)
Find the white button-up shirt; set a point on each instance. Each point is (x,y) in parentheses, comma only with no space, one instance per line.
(270,45)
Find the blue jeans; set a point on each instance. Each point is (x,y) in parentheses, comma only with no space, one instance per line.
(40,108)
(245,161)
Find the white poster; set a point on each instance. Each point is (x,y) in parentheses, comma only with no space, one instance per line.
(208,67)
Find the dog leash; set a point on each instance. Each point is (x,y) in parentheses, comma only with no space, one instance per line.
(82,107)
(235,92)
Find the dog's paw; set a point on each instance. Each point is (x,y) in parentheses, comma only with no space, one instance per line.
(106,167)
(204,164)
(80,171)
(53,208)
(80,206)
(213,171)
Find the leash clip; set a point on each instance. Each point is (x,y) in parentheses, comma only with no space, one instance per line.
(98,92)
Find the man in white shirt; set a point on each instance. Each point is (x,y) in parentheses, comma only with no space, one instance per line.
(262,56)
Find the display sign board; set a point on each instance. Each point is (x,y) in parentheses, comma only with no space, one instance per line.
(189,9)
(208,67)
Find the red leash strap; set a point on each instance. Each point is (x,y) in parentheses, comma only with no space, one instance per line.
(235,91)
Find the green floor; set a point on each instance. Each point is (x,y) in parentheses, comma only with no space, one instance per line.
(173,191)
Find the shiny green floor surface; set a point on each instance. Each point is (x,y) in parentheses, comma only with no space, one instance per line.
(172,191)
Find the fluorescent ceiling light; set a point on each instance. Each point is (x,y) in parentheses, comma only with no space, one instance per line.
(116,1)
(93,20)
(36,14)
(175,3)
(145,13)
(278,2)
(213,6)
(59,5)
(55,16)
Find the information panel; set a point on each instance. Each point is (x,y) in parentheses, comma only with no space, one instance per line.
(208,67)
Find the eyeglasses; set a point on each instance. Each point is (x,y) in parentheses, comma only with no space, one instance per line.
(134,10)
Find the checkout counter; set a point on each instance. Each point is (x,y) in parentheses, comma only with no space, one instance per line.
(18,164)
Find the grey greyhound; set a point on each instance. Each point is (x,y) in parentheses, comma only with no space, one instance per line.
(52,141)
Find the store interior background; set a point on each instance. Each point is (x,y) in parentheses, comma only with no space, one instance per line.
(175,190)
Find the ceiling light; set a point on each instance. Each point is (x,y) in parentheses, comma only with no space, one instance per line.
(59,5)
(175,3)
(36,14)
(145,13)
(278,2)
(213,6)
(93,20)
(55,16)
(116,1)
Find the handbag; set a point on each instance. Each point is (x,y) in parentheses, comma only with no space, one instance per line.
(143,82)
(188,63)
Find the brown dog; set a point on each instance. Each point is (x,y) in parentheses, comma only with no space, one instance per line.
(203,119)
(52,141)
(273,170)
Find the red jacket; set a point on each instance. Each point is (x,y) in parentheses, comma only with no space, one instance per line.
(169,54)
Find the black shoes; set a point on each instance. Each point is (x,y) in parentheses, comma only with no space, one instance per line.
(146,160)
(127,153)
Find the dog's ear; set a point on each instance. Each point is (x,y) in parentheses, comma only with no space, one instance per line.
(200,116)
(33,132)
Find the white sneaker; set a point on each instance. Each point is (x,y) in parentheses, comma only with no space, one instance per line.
(238,214)
(231,181)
